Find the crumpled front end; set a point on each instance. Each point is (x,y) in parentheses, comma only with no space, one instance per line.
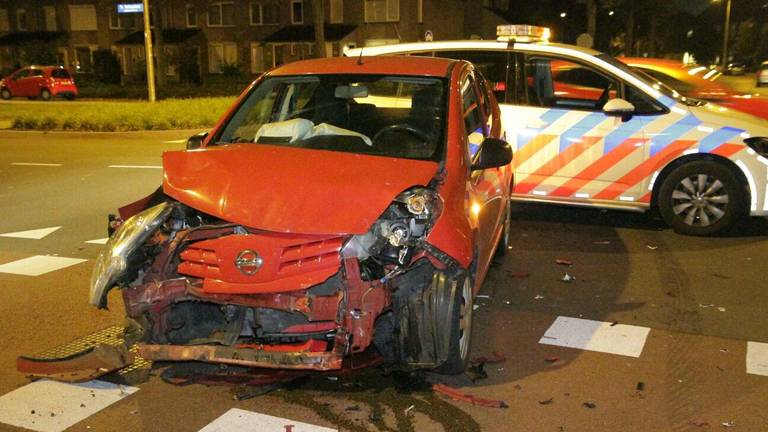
(201,289)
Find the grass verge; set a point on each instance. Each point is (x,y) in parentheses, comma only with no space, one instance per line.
(117,116)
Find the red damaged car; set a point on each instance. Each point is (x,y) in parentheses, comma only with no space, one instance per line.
(335,207)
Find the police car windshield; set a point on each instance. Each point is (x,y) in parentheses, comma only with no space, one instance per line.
(651,81)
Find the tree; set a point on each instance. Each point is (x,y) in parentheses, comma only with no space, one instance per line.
(318,11)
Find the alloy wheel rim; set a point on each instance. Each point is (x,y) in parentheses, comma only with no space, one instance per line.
(700,200)
(465,318)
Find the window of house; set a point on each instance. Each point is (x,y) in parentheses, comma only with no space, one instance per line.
(337,11)
(4,24)
(265,12)
(119,21)
(191,16)
(257,58)
(221,14)
(297,11)
(50,18)
(221,55)
(21,19)
(82,17)
(83,59)
(382,10)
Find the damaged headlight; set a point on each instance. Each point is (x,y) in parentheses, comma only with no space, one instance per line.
(404,224)
(113,259)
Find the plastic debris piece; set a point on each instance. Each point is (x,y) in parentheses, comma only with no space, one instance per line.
(546,402)
(538,297)
(475,307)
(721,309)
(699,422)
(590,405)
(640,386)
(725,350)
(652,247)
(408,410)
(567,278)
(474,400)
(483,296)
(728,424)
(564,262)
(702,305)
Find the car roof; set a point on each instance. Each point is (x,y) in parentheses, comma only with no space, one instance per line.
(470,44)
(388,65)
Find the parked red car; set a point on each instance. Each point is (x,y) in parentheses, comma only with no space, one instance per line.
(690,82)
(335,207)
(44,82)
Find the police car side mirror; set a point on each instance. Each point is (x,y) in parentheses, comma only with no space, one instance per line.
(493,153)
(196,140)
(619,108)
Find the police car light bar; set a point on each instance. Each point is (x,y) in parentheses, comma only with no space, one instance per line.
(523,33)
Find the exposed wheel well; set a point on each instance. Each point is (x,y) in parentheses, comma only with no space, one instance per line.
(699,157)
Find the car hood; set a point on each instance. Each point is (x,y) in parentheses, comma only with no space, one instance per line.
(290,190)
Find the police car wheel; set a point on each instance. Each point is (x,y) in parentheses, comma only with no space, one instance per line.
(701,198)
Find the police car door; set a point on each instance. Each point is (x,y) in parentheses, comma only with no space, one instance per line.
(566,147)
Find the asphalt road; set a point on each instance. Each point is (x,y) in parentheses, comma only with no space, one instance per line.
(702,300)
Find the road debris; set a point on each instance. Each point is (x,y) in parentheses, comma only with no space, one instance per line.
(640,386)
(708,305)
(721,309)
(477,372)
(564,262)
(408,410)
(538,297)
(652,247)
(699,422)
(568,278)
(552,359)
(475,307)
(604,242)
(546,402)
(456,394)
(519,275)
(728,424)
(483,296)
(497,358)
(590,405)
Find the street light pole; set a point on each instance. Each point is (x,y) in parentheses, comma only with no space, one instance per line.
(725,34)
(149,59)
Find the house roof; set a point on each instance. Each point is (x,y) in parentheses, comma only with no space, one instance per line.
(21,37)
(170,36)
(306,33)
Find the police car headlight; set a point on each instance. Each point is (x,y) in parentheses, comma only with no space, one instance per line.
(758,144)
(113,259)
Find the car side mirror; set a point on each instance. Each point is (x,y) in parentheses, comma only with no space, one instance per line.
(493,153)
(196,140)
(619,108)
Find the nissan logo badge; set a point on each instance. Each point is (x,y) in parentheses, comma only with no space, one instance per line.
(248,262)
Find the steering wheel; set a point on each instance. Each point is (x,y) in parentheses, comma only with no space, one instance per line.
(402,127)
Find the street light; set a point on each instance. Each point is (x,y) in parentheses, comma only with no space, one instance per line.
(563,14)
(148,51)
(725,31)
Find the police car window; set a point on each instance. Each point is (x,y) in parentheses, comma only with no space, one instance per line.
(474,121)
(558,83)
(492,64)
(643,103)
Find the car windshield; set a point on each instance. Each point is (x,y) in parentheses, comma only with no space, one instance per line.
(662,87)
(390,116)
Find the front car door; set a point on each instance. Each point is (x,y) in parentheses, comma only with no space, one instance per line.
(17,82)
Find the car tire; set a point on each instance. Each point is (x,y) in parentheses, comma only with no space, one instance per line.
(460,327)
(5,94)
(702,198)
(504,241)
(45,94)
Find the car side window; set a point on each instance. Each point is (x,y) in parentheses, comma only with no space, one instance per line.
(474,119)
(561,83)
(21,74)
(36,72)
(643,103)
(492,64)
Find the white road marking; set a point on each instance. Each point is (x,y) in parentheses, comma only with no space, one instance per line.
(247,421)
(50,406)
(38,265)
(35,164)
(621,339)
(35,234)
(137,166)
(100,241)
(757,358)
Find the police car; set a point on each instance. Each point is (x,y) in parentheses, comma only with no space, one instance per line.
(589,131)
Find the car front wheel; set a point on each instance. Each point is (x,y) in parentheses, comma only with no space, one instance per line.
(45,94)
(702,198)
(460,328)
